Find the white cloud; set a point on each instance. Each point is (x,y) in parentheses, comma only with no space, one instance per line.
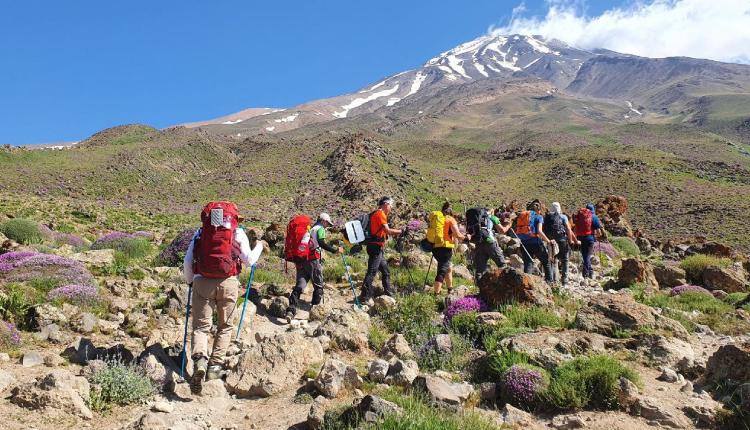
(713,29)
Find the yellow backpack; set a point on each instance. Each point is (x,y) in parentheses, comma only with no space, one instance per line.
(436,232)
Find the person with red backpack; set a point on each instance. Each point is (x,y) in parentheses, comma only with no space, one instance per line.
(311,268)
(212,264)
(376,262)
(529,229)
(587,228)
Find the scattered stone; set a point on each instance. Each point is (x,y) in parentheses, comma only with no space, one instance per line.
(316,416)
(163,406)
(98,258)
(152,421)
(668,375)
(31,359)
(730,362)
(654,410)
(500,286)
(214,389)
(278,306)
(46,314)
(347,327)
(704,416)
(272,364)
(320,312)
(87,323)
(627,396)
(57,391)
(443,393)
(4,357)
(377,370)
(53,360)
(335,376)
(396,346)
(513,416)
(6,380)
(669,276)
(402,373)
(565,422)
(439,344)
(688,387)
(730,279)
(370,409)
(635,271)
(549,348)
(384,302)
(488,391)
(491,318)
(665,351)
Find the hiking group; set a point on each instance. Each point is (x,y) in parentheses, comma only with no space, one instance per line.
(219,248)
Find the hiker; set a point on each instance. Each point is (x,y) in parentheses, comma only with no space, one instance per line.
(587,228)
(212,264)
(480,229)
(443,233)
(379,232)
(312,269)
(529,228)
(557,228)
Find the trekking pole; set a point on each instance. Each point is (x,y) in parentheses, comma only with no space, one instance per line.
(427,275)
(247,297)
(184,337)
(524,248)
(351,283)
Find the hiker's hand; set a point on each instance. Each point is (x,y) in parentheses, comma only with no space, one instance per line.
(340,250)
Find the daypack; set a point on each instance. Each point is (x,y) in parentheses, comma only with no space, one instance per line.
(554,227)
(478,224)
(298,245)
(583,222)
(524,225)
(216,253)
(437,231)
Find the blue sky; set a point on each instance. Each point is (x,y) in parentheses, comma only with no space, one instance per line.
(71,68)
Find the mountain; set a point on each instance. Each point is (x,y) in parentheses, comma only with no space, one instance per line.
(492,120)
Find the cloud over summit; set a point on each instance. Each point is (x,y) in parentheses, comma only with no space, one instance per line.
(713,29)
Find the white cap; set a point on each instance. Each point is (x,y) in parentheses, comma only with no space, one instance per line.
(325,217)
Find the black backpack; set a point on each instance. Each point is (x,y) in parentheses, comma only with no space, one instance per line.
(478,224)
(554,227)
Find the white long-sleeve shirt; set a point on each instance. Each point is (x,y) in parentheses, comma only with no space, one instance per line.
(247,255)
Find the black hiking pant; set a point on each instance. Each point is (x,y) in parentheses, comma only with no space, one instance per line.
(483,253)
(443,257)
(587,251)
(536,249)
(306,272)
(376,263)
(563,256)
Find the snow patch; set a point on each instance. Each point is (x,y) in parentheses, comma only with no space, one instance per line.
(374,87)
(359,101)
(539,46)
(418,80)
(529,65)
(392,101)
(420,112)
(232,122)
(630,106)
(273,111)
(456,64)
(270,128)
(480,69)
(489,66)
(289,118)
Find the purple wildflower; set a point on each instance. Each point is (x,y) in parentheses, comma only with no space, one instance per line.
(74,294)
(25,266)
(173,254)
(111,240)
(681,289)
(414,225)
(607,249)
(70,239)
(522,385)
(464,304)
(9,335)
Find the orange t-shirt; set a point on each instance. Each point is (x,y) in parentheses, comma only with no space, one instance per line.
(447,229)
(378,220)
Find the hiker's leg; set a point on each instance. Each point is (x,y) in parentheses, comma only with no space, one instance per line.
(562,258)
(203,294)
(316,274)
(443,258)
(385,273)
(496,254)
(226,304)
(543,256)
(528,263)
(586,247)
(373,264)
(480,260)
(299,287)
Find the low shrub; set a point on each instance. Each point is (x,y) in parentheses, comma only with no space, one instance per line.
(75,294)
(23,231)
(588,382)
(523,385)
(455,359)
(467,325)
(413,316)
(26,266)
(77,242)
(607,249)
(694,265)
(15,304)
(174,254)
(682,289)
(625,246)
(10,337)
(134,246)
(462,305)
(119,384)
(377,336)
(531,317)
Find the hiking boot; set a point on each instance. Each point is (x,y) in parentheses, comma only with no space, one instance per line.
(290,313)
(214,372)
(199,372)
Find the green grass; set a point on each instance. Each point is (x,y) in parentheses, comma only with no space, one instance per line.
(15,304)
(455,360)
(531,317)
(501,360)
(588,382)
(412,317)
(625,246)
(694,265)
(22,230)
(377,335)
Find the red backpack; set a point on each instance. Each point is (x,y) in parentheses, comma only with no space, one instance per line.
(583,222)
(217,255)
(298,243)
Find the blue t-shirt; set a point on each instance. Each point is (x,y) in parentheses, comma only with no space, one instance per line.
(596,224)
(535,223)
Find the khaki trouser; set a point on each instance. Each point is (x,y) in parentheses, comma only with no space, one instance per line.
(222,293)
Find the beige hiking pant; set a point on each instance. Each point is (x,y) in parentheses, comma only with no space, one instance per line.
(221,294)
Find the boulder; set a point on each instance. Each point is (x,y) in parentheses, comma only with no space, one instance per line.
(443,393)
(611,212)
(608,314)
(377,370)
(491,318)
(98,258)
(46,314)
(58,391)
(272,364)
(402,373)
(396,346)
(635,271)
(516,418)
(729,365)
(461,271)
(87,323)
(347,327)
(383,303)
(31,359)
(658,411)
(665,351)
(274,235)
(670,276)
(214,389)
(549,348)
(566,422)
(370,409)
(729,279)
(439,344)
(278,306)
(6,380)
(501,286)
(515,261)
(320,312)
(336,376)
(668,375)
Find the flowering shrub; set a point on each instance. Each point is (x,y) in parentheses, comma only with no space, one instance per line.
(69,239)
(9,336)
(27,266)
(414,225)
(134,245)
(464,304)
(607,249)
(173,254)
(681,289)
(119,384)
(111,240)
(78,294)
(523,384)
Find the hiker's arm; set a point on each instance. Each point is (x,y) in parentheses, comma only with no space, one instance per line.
(327,246)
(569,231)
(392,231)
(541,233)
(247,255)
(187,263)
(456,232)
(500,228)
